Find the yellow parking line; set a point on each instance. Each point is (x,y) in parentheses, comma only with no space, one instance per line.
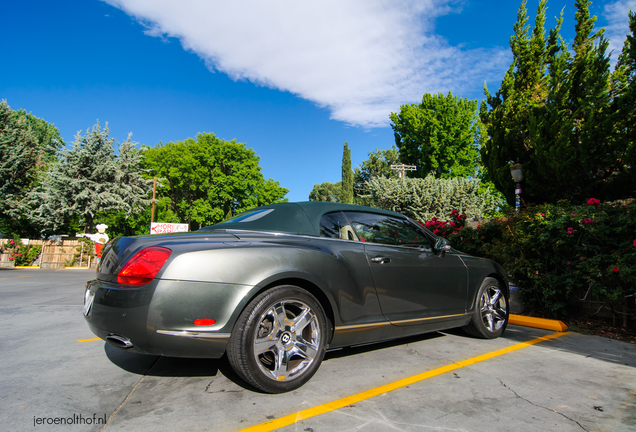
(89,340)
(340,403)
(15,277)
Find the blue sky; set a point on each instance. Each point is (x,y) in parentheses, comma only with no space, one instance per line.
(293,80)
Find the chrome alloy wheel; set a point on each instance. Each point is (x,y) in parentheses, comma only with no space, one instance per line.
(287,340)
(493,308)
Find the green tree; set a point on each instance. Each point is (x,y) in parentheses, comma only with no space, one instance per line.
(326,191)
(377,165)
(89,181)
(347,176)
(440,136)
(559,113)
(209,179)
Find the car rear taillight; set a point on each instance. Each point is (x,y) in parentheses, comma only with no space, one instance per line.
(144,266)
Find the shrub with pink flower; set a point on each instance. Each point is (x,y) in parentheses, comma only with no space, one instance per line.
(560,254)
(20,254)
(447,228)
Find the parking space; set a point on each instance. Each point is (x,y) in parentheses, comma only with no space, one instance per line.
(438,381)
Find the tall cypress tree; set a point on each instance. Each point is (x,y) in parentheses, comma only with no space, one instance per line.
(623,92)
(347,176)
(513,107)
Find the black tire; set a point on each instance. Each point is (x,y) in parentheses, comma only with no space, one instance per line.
(279,340)
(490,316)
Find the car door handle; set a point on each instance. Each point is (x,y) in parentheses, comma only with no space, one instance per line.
(381,260)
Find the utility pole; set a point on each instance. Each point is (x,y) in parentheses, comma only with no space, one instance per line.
(401,168)
(154,191)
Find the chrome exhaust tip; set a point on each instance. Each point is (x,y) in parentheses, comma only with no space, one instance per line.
(119,341)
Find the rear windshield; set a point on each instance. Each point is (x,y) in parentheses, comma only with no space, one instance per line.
(249,216)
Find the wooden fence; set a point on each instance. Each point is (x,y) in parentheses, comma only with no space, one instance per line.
(55,254)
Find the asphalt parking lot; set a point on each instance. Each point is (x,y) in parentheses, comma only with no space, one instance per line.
(528,380)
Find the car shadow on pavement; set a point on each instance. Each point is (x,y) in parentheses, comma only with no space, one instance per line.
(358,349)
(142,364)
(158,366)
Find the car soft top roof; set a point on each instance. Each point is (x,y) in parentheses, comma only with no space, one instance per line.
(301,218)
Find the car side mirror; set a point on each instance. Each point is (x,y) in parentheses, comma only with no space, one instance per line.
(442,245)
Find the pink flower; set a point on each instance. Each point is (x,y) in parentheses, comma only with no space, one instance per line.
(634,243)
(581,259)
(593,201)
(452,224)
(479,227)
(570,230)
(615,268)
(588,221)
(435,231)
(568,263)
(536,272)
(542,214)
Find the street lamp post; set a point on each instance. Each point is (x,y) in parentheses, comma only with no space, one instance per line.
(517,176)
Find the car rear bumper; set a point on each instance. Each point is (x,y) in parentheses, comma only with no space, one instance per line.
(158,318)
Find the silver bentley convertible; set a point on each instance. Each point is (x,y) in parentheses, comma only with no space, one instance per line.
(275,287)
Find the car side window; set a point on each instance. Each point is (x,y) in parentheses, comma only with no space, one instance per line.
(336,225)
(383,229)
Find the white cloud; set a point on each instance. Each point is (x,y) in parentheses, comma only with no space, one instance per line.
(617,24)
(360,59)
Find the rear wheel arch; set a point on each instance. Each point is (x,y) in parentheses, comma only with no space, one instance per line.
(310,287)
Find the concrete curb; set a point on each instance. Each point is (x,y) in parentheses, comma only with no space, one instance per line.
(542,323)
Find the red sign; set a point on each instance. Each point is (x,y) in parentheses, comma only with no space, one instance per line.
(166,228)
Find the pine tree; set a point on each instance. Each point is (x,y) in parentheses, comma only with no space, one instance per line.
(623,114)
(556,113)
(87,181)
(27,146)
(19,153)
